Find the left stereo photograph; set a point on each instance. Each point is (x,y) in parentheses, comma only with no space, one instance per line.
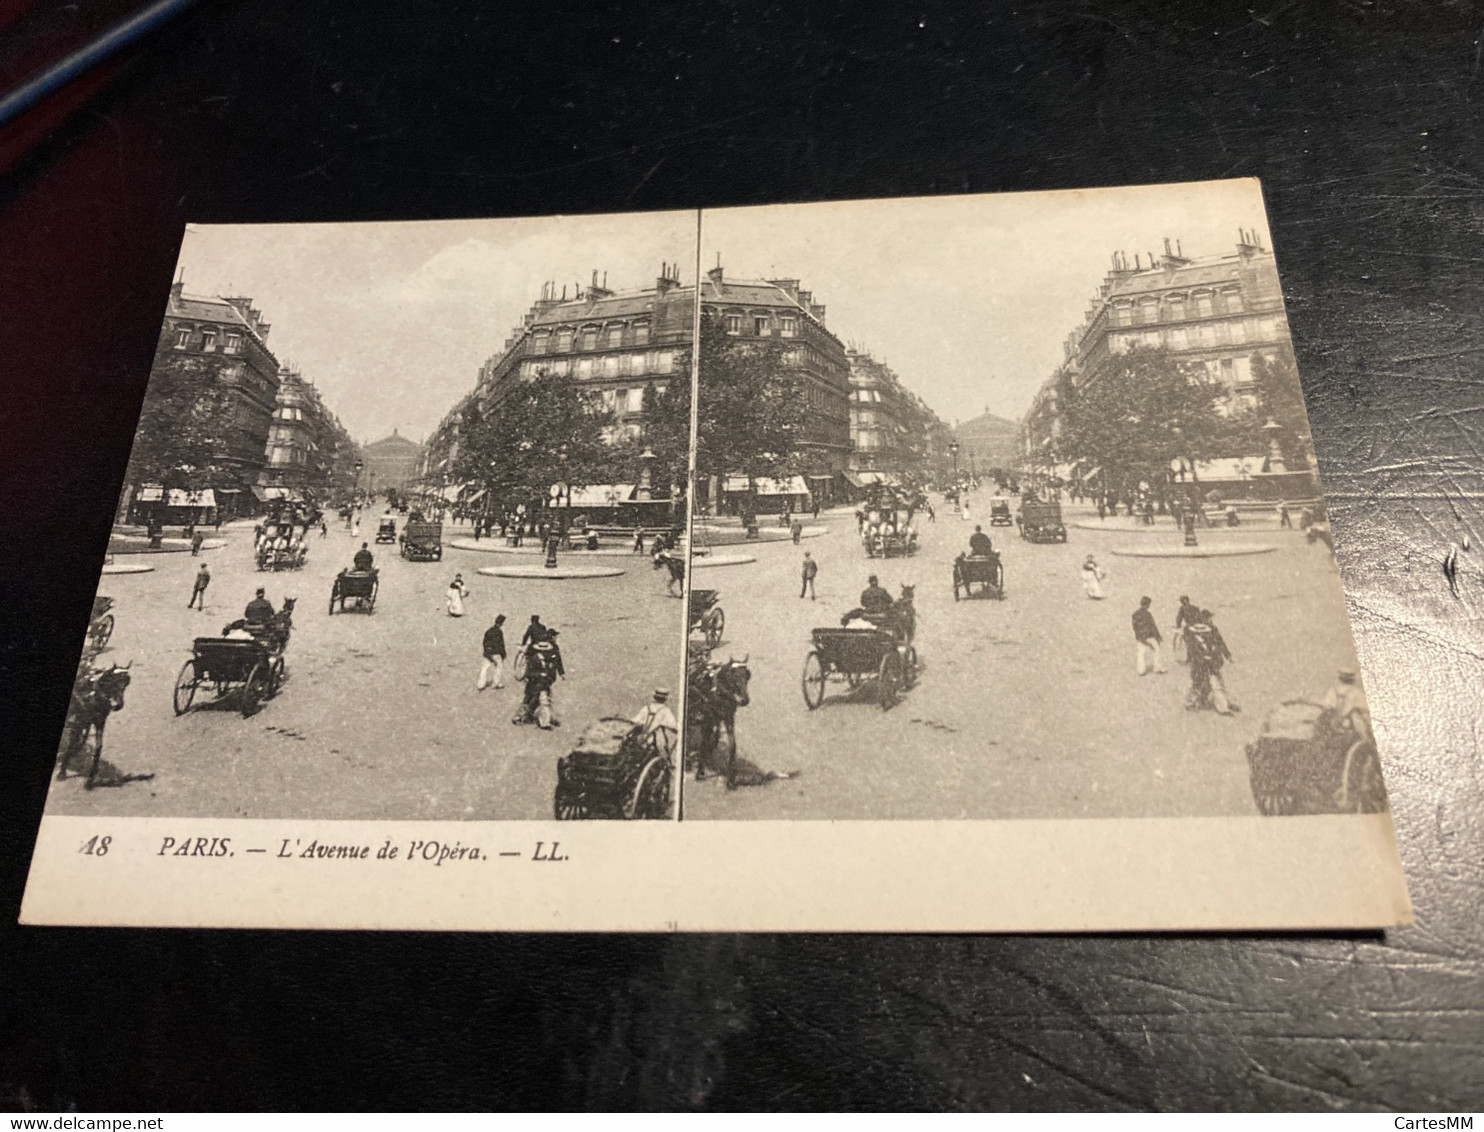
(401,531)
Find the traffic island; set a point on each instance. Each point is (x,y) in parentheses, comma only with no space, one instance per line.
(498,546)
(1230,550)
(139,544)
(701,561)
(730,536)
(560,572)
(126,568)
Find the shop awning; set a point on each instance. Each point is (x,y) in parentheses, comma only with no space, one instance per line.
(790,485)
(151,494)
(1224,468)
(601,494)
(854,479)
(179,498)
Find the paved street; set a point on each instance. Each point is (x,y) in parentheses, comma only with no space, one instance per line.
(1026,708)
(379,717)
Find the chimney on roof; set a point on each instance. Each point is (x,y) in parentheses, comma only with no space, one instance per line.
(715,274)
(1172,257)
(598,290)
(789,287)
(668,280)
(177,287)
(1248,244)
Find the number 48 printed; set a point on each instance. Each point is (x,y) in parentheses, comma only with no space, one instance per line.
(96,846)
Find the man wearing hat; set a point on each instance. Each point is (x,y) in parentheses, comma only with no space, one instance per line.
(1347,701)
(259,610)
(657,720)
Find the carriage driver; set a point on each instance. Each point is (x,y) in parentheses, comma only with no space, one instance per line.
(364,560)
(657,723)
(259,611)
(874,599)
(980,545)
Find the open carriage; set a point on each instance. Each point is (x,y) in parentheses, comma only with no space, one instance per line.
(706,616)
(227,665)
(1308,760)
(855,656)
(358,587)
(985,571)
(613,772)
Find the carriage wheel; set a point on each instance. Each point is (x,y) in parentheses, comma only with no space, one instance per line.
(185,687)
(568,804)
(518,665)
(438,555)
(102,630)
(888,680)
(334,594)
(909,668)
(999,582)
(955,585)
(275,676)
(716,623)
(651,797)
(814,678)
(1362,790)
(254,688)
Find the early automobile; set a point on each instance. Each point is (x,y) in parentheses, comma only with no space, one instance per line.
(999,512)
(614,771)
(422,540)
(1041,521)
(386,530)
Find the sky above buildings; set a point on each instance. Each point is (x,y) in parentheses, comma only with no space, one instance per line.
(969,299)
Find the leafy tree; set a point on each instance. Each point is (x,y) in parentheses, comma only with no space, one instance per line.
(753,410)
(1280,399)
(184,426)
(544,431)
(1146,408)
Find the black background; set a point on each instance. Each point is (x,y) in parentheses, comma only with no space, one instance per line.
(1363,121)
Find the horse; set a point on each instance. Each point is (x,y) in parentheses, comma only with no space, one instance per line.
(906,613)
(714,694)
(676,566)
(96,694)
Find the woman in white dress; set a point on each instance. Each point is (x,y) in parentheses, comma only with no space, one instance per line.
(457,592)
(1092,579)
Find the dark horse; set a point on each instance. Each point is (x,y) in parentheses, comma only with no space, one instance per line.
(676,565)
(714,693)
(96,694)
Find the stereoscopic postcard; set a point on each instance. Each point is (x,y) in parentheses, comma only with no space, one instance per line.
(955,563)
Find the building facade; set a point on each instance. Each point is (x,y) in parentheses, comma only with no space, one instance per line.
(224,340)
(615,344)
(893,434)
(1218,312)
(310,455)
(391,462)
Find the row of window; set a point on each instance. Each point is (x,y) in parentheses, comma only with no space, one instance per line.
(611,336)
(609,365)
(1233,332)
(626,400)
(762,324)
(1177,307)
(206,340)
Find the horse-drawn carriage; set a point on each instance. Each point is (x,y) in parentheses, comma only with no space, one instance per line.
(706,616)
(248,667)
(856,656)
(613,772)
(1309,760)
(100,624)
(386,530)
(283,553)
(356,586)
(422,540)
(985,571)
(96,694)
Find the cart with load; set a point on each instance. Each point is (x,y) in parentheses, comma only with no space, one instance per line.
(230,665)
(422,540)
(356,586)
(706,616)
(613,772)
(386,530)
(1041,521)
(985,571)
(282,554)
(856,656)
(1309,760)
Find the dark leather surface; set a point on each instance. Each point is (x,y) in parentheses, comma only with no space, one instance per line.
(1364,121)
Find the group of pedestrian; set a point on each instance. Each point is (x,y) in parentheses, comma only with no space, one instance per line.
(1205,651)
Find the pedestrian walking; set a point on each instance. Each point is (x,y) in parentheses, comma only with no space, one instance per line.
(796,529)
(324,527)
(455,596)
(196,540)
(198,590)
(815,508)
(932,516)
(1284,518)
(964,512)
(1102,509)
(809,570)
(493,648)
(1208,654)
(355,525)
(1147,640)
(1092,579)
(639,540)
